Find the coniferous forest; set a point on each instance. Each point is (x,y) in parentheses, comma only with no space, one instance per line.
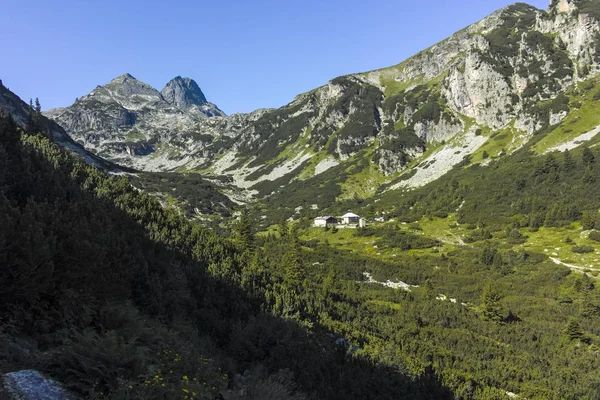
(122,298)
(119,297)
(153,247)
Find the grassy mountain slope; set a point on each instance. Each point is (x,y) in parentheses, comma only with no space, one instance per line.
(506,71)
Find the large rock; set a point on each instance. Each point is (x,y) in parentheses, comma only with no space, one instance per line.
(31,385)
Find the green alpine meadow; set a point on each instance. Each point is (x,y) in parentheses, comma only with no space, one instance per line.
(429,230)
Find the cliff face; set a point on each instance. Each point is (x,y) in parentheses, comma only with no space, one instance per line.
(509,71)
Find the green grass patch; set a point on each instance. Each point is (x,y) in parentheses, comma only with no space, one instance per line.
(501,142)
(552,242)
(578,121)
(364,183)
(445,230)
(135,135)
(385,304)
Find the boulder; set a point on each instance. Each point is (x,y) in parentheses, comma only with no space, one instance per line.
(32,385)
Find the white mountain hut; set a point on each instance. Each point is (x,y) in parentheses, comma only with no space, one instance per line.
(325,221)
(350,218)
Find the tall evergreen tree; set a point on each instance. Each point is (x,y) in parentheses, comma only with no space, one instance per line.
(244,231)
(30,127)
(283,228)
(37,114)
(568,161)
(573,330)
(291,261)
(588,157)
(490,304)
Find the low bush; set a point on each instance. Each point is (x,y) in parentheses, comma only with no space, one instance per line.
(595,235)
(582,249)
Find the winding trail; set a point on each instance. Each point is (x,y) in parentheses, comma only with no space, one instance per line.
(573,267)
(459,240)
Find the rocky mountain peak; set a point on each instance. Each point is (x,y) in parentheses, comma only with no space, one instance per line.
(126,86)
(183,93)
(124,77)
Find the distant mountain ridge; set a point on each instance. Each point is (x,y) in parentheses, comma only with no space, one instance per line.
(129,118)
(11,104)
(510,75)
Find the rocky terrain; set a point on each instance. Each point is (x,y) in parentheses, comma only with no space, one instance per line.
(127,120)
(195,194)
(11,104)
(517,71)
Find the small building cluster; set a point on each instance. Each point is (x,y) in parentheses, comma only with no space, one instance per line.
(327,221)
(349,220)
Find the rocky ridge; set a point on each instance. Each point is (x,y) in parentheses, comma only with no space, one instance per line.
(11,104)
(127,119)
(508,72)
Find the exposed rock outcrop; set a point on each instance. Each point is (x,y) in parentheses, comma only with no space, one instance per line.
(31,385)
(183,93)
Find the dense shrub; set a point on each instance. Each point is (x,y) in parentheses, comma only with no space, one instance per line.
(595,235)
(582,249)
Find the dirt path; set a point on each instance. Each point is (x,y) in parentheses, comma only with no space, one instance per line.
(459,240)
(573,267)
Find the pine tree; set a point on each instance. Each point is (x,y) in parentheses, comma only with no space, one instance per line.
(589,220)
(30,127)
(551,164)
(37,114)
(590,307)
(291,262)
(488,253)
(254,276)
(490,304)
(283,227)
(243,230)
(573,330)
(588,177)
(588,157)
(569,162)
(429,289)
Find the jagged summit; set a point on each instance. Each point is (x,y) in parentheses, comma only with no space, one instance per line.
(183,93)
(129,116)
(124,77)
(126,85)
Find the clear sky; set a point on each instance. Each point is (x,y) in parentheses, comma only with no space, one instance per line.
(244,54)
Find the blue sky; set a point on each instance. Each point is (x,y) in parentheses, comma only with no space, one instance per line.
(244,54)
